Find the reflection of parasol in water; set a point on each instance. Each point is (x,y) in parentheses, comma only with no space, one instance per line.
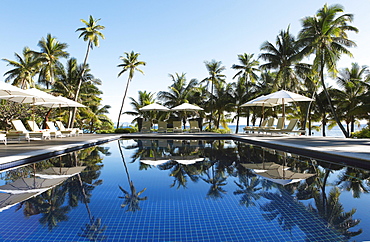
(282,175)
(262,166)
(8,200)
(187,161)
(153,162)
(30,185)
(60,172)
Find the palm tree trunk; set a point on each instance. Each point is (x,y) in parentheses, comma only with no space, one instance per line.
(352,124)
(308,116)
(247,92)
(237,121)
(70,125)
(123,101)
(323,126)
(211,117)
(331,104)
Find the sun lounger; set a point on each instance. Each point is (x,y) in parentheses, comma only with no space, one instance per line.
(194,127)
(177,127)
(64,130)
(270,124)
(255,128)
(53,130)
(19,126)
(17,135)
(162,127)
(3,138)
(289,128)
(146,127)
(35,128)
(280,125)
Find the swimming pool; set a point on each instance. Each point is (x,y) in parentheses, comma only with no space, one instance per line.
(181,190)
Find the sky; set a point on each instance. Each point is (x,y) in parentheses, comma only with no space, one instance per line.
(172,36)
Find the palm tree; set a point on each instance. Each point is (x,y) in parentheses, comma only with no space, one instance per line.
(351,81)
(130,63)
(179,92)
(224,102)
(285,59)
(214,69)
(91,34)
(247,69)
(145,98)
(325,36)
(240,97)
(51,51)
(25,68)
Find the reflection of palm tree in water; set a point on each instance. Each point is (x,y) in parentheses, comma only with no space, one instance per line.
(329,207)
(93,230)
(131,199)
(248,187)
(217,182)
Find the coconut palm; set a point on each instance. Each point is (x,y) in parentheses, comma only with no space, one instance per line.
(51,51)
(130,64)
(353,87)
(247,69)
(179,92)
(325,36)
(25,68)
(90,33)
(284,58)
(223,102)
(240,97)
(145,98)
(214,69)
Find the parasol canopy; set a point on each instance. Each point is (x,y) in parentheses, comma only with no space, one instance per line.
(186,107)
(154,107)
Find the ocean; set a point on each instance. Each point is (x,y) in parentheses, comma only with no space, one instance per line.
(334,132)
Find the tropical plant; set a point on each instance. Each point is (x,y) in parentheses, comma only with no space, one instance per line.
(351,81)
(25,68)
(284,58)
(130,64)
(90,33)
(179,92)
(247,69)
(145,98)
(214,69)
(51,51)
(325,36)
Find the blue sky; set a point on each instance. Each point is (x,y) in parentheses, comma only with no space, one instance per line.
(171,36)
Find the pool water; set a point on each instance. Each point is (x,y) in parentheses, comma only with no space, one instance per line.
(177,190)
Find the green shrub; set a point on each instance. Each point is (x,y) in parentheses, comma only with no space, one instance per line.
(363,133)
(124,130)
(107,131)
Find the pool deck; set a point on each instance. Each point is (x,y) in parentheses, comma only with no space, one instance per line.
(354,152)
